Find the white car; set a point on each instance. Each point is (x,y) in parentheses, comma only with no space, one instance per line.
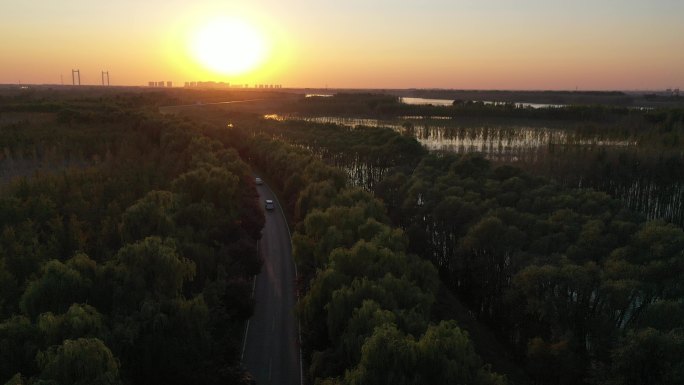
(269,204)
(258,180)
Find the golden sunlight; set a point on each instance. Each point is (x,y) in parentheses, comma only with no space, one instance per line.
(228,46)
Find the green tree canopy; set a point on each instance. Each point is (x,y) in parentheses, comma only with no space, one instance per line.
(150,268)
(84,361)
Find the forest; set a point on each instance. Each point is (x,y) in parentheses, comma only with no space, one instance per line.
(127,244)
(367,305)
(576,286)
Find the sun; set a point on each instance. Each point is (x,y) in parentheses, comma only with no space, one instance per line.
(228,46)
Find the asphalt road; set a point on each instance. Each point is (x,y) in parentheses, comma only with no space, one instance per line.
(271,347)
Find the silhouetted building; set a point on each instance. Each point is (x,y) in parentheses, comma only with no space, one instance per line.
(209,84)
(169,84)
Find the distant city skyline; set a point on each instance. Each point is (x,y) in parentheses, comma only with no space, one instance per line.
(466,44)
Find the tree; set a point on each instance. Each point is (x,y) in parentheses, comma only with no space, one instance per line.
(315,195)
(210,184)
(149,216)
(19,343)
(649,357)
(446,355)
(168,342)
(150,268)
(486,255)
(361,325)
(84,361)
(58,287)
(406,300)
(443,355)
(388,357)
(9,289)
(81,320)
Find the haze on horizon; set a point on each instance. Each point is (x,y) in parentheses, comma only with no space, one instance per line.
(464,44)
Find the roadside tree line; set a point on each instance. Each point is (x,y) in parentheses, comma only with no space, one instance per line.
(134,266)
(365,302)
(572,282)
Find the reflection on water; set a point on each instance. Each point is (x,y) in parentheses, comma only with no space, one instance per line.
(449,102)
(545,148)
(553,152)
(424,101)
(528,105)
(505,143)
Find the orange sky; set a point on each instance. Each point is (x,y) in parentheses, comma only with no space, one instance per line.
(498,44)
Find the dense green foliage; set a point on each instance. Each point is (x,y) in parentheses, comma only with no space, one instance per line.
(127,246)
(566,277)
(127,243)
(572,282)
(365,302)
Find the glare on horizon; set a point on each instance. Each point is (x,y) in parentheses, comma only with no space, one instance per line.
(528,44)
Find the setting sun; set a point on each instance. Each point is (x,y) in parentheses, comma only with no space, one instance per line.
(228,46)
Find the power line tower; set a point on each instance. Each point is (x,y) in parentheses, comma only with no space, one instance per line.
(105,74)
(75,74)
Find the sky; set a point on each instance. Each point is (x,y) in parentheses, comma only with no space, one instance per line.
(460,44)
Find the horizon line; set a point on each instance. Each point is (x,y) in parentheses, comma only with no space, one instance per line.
(143,86)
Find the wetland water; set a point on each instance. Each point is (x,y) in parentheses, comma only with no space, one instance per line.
(506,143)
(573,158)
(449,102)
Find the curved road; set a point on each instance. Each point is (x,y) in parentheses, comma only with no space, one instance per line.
(271,347)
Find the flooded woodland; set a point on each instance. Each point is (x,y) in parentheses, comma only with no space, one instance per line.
(622,162)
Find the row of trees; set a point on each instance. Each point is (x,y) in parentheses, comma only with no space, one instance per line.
(365,302)
(133,267)
(577,286)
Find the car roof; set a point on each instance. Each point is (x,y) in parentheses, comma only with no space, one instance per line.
(269,200)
